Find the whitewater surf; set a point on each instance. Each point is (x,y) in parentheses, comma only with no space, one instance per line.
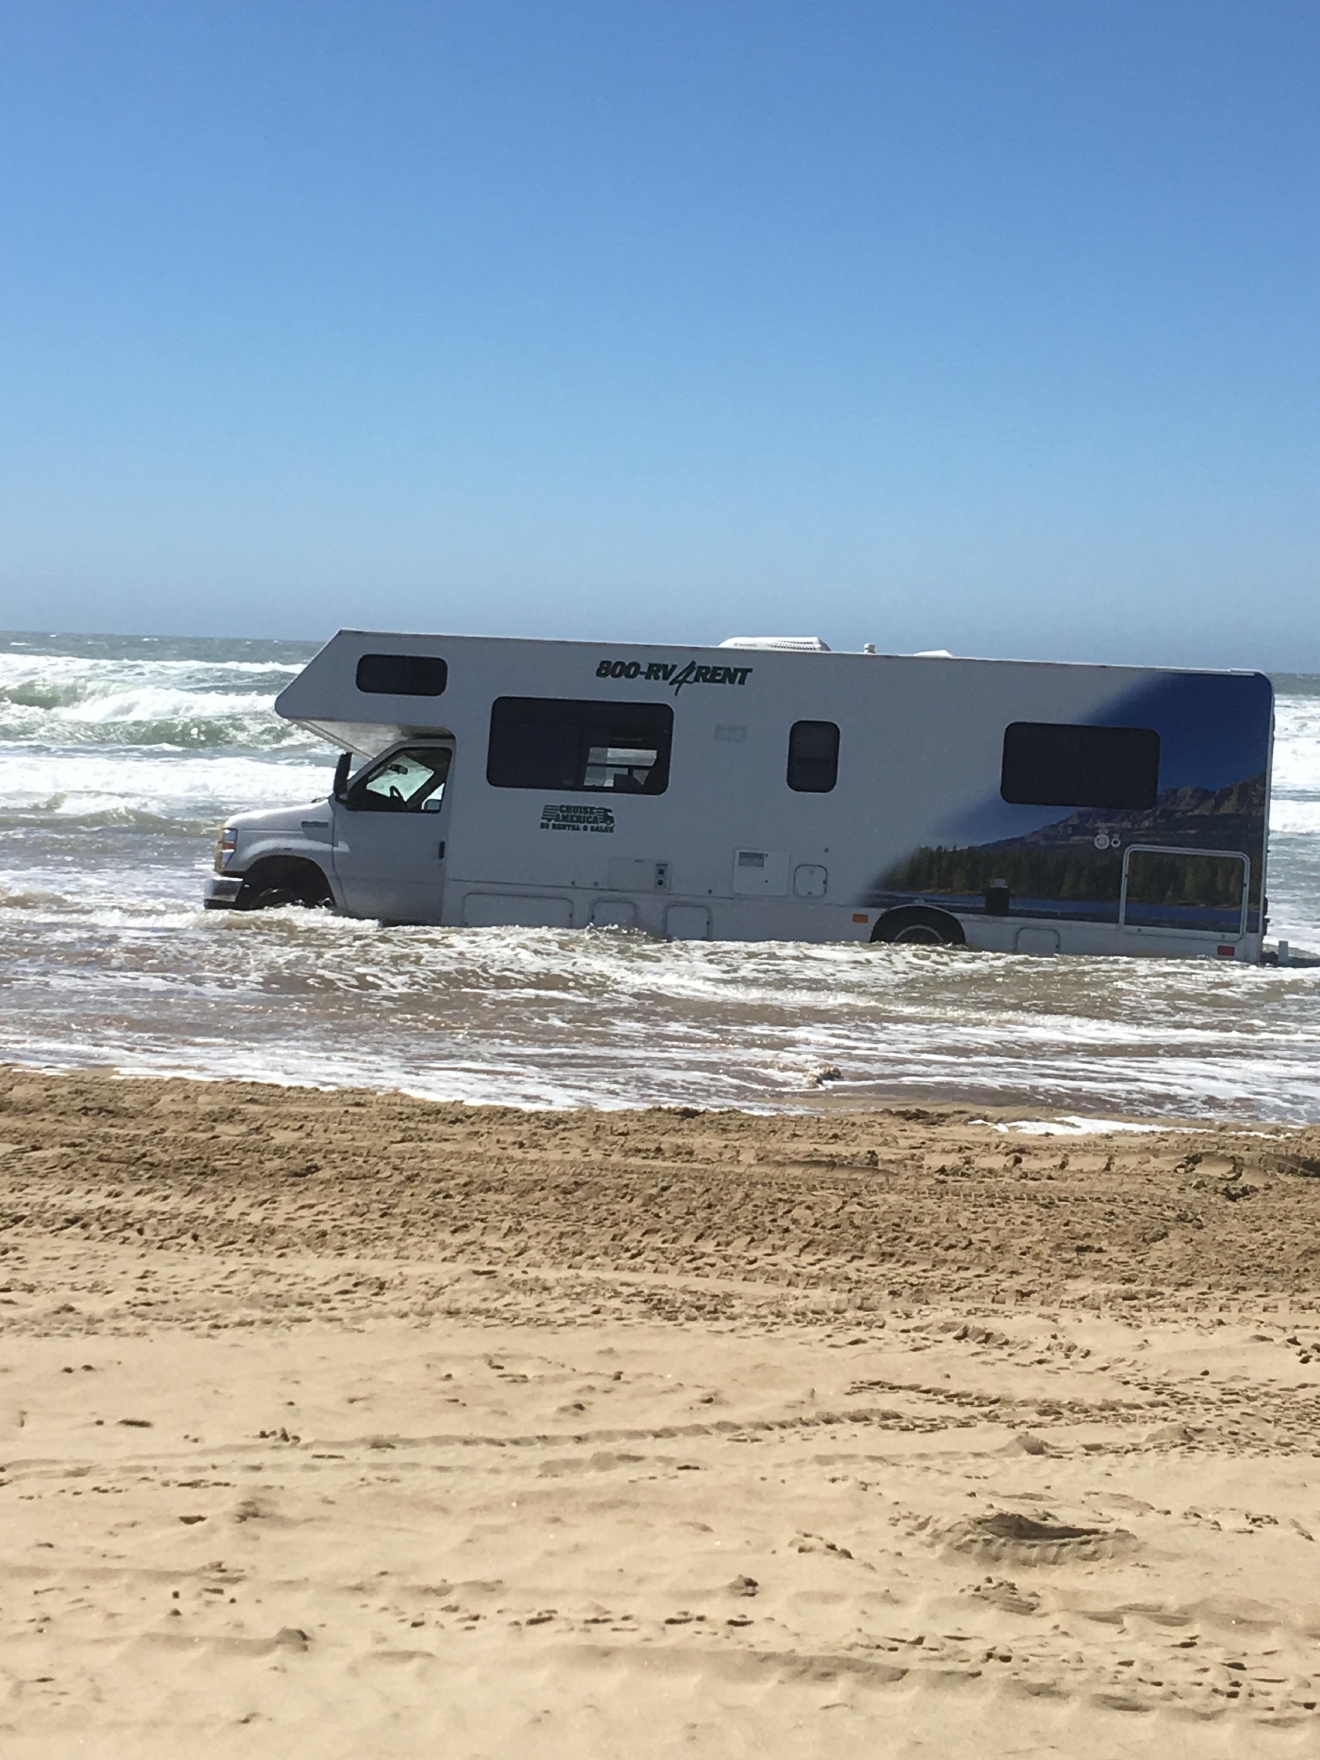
(120,756)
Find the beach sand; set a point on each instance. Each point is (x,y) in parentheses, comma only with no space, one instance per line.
(346,1424)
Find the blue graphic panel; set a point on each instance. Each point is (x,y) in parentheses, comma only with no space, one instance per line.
(1049,861)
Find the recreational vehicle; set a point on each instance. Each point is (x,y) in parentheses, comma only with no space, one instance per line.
(770,789)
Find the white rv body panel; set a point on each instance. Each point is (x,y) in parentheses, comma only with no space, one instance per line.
(914,819)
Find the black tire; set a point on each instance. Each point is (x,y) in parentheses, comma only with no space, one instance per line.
(280,884)
(919,925)
(273,898)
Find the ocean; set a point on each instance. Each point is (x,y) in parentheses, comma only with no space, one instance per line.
(120,757)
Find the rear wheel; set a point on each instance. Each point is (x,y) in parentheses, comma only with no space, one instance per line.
(919,925)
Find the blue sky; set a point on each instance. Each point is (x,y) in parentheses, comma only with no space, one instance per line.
(988,325)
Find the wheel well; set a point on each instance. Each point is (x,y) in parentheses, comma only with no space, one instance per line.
(893,924)
(287,873)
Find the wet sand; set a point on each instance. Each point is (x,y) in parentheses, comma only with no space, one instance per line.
(345,1424)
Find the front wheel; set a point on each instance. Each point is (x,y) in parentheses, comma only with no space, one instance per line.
(274,897)
(285,883)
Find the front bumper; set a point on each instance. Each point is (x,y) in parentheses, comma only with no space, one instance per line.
(222,891)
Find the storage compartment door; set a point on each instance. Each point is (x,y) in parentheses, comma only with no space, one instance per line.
(687,922)
(491,910)
(1193,890)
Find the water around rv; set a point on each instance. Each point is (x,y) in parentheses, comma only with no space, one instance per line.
(120,756)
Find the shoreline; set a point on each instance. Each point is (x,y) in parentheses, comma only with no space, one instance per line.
(823,1098)
(347,1424)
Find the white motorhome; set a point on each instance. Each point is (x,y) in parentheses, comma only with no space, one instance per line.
(769,789)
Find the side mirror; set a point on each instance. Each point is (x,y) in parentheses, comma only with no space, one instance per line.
(342,769)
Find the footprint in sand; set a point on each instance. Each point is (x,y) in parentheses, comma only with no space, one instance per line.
(1008,1536)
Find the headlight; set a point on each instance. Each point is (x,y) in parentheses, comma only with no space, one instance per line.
(225,845)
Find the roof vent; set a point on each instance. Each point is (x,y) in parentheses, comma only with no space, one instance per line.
(792,644)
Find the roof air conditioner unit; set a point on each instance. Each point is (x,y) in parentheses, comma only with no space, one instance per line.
(792,644)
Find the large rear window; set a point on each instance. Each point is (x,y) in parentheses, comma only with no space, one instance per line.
(1052,764)
(579,747)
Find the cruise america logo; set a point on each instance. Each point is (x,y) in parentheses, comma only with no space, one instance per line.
(667,672)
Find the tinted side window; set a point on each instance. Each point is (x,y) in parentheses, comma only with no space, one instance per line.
(402,675)
(406,782)
(813,757)
(579,747)
(1050,764)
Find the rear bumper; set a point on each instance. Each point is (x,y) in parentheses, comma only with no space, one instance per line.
(222,891)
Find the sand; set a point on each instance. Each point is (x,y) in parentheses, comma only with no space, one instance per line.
(346,1424)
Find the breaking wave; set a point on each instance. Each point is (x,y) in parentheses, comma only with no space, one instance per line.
(137,787)
(178,704)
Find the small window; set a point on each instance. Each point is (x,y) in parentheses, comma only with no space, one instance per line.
(402,675)
(1048,764)
(579,747)
(813,757)
(411,781)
